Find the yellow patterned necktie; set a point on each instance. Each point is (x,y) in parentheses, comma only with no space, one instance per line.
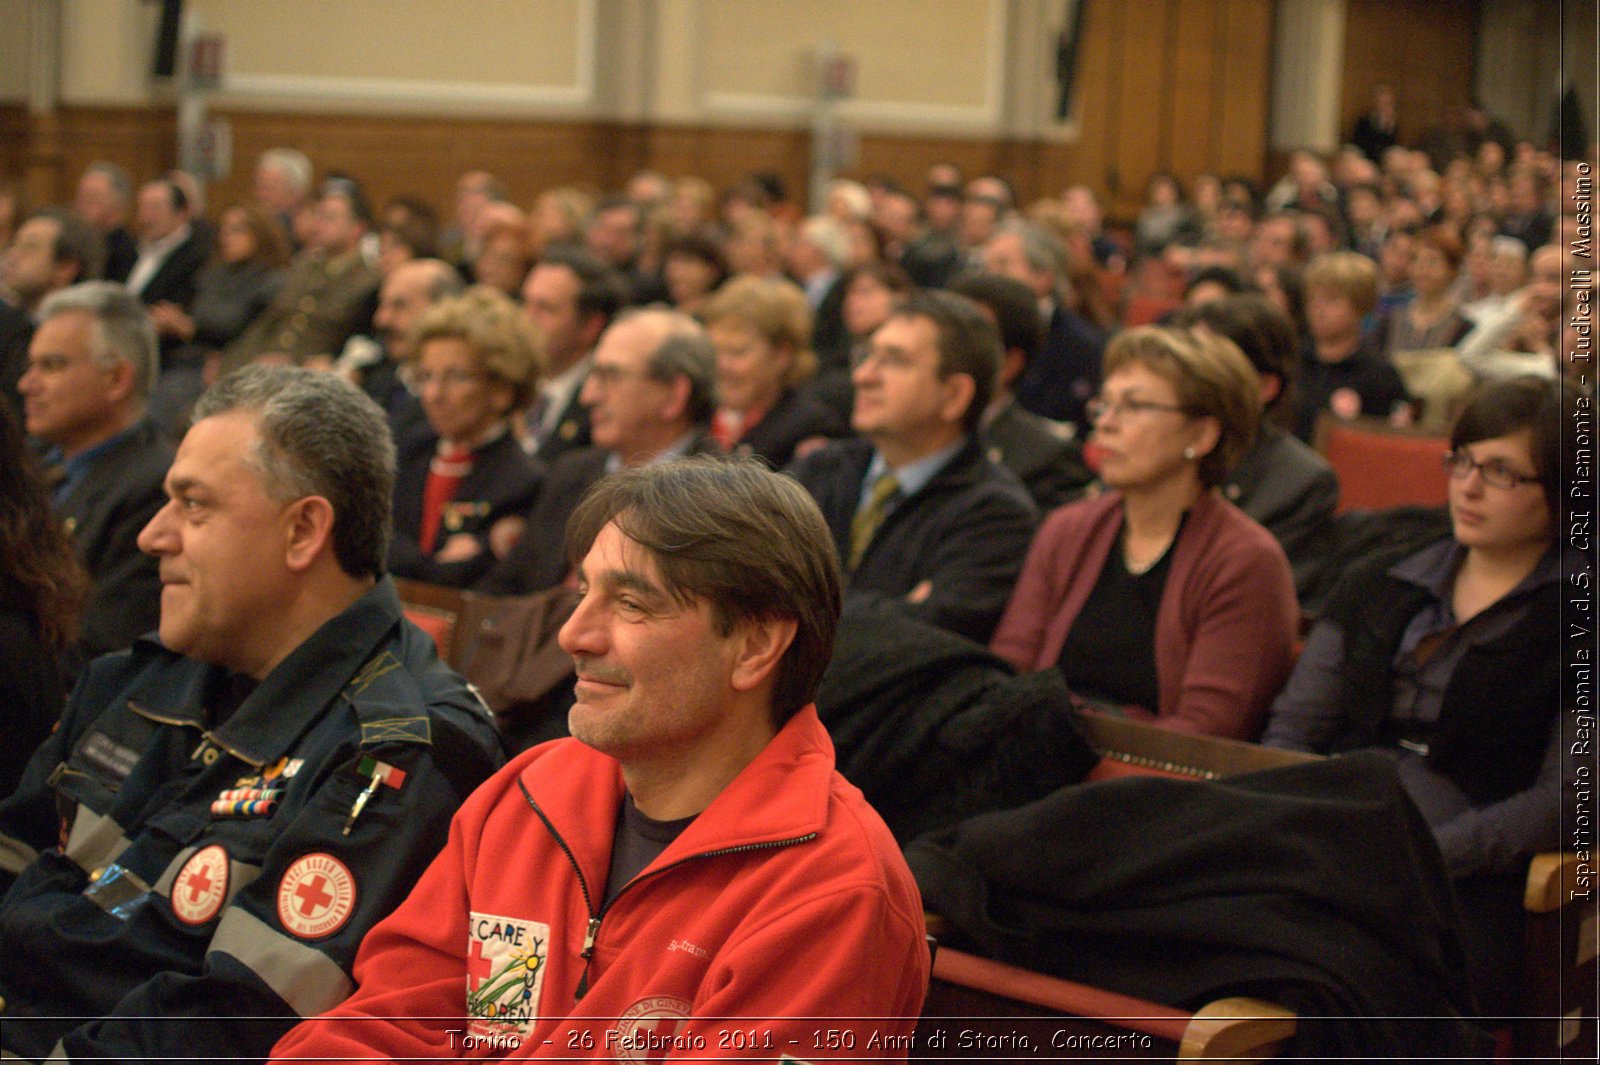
(867,520)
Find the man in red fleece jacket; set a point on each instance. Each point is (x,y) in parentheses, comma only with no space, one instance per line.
(687,876)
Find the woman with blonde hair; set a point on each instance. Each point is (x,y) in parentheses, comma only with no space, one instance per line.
(557,217)
(761,330)
(476,361)
(1159,597)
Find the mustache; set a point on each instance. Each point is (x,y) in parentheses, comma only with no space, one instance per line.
(593,669)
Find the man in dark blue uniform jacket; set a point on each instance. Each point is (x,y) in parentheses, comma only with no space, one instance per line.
(920,515)
(195,854)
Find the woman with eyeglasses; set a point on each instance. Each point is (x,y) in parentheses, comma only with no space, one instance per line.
(1159,599)
(1448,660)
(477,360)
(761,329)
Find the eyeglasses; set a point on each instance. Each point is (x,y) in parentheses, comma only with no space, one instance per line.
(1460,465)
(1099,408)
(448,378)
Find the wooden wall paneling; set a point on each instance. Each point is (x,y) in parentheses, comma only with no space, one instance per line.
(13,141)
(1244,89)
(1138,136)
(1192,146)
(1425,49)
(423,157)
(142,140)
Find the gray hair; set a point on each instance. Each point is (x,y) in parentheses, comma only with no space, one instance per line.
(827,236)
(121,184)
(122,331)
(686,352)
(443,280)
(292,164)
(320,435)
(1041,248)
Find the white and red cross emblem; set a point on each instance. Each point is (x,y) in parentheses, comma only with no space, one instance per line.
(316,896)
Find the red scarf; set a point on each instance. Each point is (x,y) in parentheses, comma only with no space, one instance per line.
(450,465)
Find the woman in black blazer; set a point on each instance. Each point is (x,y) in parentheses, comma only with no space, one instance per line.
(761,329)
(477,360)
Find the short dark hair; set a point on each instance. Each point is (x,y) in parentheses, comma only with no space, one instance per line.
(417,226)
(968,343)
(748,541)
(1015,307)
(349,190)
(699,246)
(1222,276)
(1546,410)
(76,241)
(320,435)
(601,289)
(177,199)
(1261,330)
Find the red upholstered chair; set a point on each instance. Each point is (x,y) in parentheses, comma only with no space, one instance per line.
(435,610)
(1147,310)
(1381,466)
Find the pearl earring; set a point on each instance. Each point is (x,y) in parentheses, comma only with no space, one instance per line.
(1188,453)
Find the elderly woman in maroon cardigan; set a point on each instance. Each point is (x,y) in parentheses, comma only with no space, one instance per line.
(1159,596)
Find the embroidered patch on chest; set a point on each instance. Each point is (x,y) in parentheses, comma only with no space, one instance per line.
(201,885)
(648,1029)
(506,959)
(316,896)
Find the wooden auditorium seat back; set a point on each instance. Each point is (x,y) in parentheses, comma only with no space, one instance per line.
(1382,466)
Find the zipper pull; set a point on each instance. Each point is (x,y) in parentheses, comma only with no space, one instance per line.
(588,938)
(585,954)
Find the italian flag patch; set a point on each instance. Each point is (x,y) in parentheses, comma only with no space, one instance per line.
(382,772)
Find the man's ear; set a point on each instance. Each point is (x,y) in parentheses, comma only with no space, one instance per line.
(590,326)
(959,390)
(123,380)
(761,646)
(676,405)
(308,528)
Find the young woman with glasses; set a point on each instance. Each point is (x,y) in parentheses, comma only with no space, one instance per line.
(1448,661)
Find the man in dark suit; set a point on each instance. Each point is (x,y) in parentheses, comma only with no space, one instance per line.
(816,259)
(52,249)
(104,195)
(91,365)
(1045,455)
(650,394)
(171,251)
(570,297)
(374,362)
(1065,373)
(920,516)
